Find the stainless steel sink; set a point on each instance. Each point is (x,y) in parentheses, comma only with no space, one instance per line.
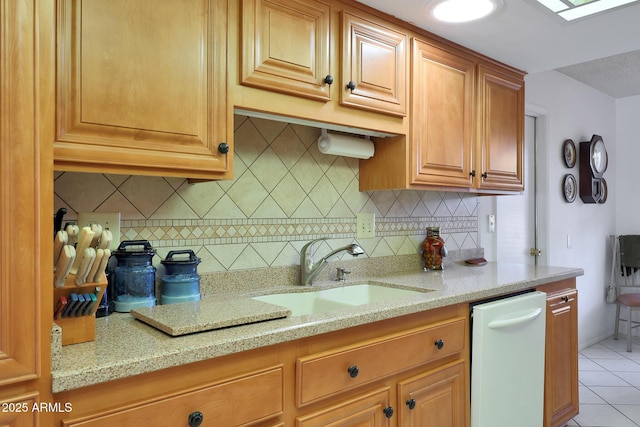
(320,301)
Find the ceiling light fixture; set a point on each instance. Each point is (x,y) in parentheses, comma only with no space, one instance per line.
(457,11)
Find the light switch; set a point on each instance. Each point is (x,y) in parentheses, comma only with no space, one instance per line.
(492,223)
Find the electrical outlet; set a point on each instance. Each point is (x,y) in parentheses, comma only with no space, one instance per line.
(106,220)
(365,225)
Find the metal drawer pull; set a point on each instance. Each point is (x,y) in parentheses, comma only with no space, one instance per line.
(439,344)
(353,371)
(388,412)
(195,419)
(411,403)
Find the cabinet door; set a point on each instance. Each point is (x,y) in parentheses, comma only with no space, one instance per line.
(370,410)
(374,66)
(561,359)
(435,399)
(442,116)
(141,87)
(20,411)
(285,46)
(20,198)
(500,139)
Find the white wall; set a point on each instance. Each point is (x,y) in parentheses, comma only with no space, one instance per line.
(627,166)
(576,111)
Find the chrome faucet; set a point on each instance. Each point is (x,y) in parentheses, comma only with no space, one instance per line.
(309,270)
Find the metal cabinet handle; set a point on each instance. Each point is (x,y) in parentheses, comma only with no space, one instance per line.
(351,85)
(411,403)
(195,419)
(388,411)
(328,79)
(439,344)
(223,148)
(353,371)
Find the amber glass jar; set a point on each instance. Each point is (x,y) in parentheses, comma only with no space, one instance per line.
(433,249)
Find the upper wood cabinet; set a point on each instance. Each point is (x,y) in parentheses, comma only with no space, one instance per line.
(285,47)
(374,62)
(442,116)
(500,138)
(141,88)
(466,127)
(322,61)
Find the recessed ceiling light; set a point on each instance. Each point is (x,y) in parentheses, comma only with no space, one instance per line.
(456,11)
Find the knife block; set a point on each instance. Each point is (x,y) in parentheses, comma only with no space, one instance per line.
(83,328)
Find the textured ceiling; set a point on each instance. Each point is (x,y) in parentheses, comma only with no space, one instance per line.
(601,51)
(617,76)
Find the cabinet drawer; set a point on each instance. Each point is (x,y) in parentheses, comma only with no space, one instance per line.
(321,375)
(365,410)
(236,402)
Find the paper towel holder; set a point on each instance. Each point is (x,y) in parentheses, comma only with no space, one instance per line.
(345,145)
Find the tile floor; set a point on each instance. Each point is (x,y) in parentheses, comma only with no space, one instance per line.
(609,385)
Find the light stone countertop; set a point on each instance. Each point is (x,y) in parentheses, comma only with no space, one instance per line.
(125,346)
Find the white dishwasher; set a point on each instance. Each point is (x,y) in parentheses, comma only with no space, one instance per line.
(507,361)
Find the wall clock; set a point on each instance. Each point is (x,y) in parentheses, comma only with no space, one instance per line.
(593,163)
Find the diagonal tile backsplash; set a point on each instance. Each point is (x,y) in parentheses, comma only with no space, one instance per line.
(285,192)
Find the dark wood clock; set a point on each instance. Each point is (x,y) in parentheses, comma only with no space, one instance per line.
(593,163)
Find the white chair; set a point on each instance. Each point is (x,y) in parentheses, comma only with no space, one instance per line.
(628,295)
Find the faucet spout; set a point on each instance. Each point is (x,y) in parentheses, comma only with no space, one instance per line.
(309,270)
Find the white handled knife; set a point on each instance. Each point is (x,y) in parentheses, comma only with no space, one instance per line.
(87,258)
(86,235)
(67,256)
(103,265)
(61,239)
(95,265)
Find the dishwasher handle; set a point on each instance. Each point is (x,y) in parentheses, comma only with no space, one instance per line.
(503,323)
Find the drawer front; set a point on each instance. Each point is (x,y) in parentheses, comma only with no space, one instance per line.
(321,375)
(365,410)
(235,402)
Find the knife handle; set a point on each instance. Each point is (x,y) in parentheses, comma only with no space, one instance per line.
(73,300)
(62,303)
(72,232)
(86,235)
(67,257)
(62,238)
(88,256)
(95,265)
(105,239)
(103,265)
(97,229)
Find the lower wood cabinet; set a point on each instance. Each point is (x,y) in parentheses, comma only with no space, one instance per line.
(436,398)
(238,401)
(409,371)
(561,356)
(424,371)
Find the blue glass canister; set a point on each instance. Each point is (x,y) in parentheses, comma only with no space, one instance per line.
(134,276)
(181,281)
